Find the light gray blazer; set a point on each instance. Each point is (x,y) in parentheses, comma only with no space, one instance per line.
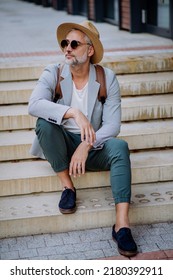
(105,119)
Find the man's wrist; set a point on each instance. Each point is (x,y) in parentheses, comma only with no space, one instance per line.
(87,145)
(70,113)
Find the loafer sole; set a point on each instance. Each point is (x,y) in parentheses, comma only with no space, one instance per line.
(67,211)
(125,253)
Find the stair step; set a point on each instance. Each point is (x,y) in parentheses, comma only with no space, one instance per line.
(144,84)
(16,92)
(36,214)
(16,117)
(147,107)
(148,134)
(15,145)
(130,85)
(37,176)
(133,108)
(21,72)
(159,62)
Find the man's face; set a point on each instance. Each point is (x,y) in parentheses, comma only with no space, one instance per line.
(82,53)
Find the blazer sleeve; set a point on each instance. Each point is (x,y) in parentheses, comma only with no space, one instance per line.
(111,114)
(40,102)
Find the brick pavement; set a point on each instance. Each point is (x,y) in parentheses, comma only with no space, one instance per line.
(154,242)
(29,31)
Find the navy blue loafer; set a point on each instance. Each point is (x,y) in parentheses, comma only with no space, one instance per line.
(67,204)
(124,239)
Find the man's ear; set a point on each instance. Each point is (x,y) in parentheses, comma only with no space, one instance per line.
(90,51)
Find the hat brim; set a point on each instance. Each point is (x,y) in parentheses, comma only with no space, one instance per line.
(65,28)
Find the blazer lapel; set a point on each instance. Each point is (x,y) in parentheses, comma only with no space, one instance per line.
(93,88)
(66,85)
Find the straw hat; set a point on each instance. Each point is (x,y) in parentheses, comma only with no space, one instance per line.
(90,30)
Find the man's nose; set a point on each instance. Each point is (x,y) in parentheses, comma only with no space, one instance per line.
(69,47)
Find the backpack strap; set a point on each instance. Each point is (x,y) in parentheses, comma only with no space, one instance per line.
(58,92)
(100,78)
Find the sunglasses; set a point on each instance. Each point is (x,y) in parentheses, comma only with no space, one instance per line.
(73,44)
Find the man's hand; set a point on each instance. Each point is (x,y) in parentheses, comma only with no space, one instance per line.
(78,160)
(87,131)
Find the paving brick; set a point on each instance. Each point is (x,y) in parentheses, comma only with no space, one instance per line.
(4,248)
(28,238)
(113,244)
(46,251)
(153,239)
(148,248)
(74,234)
(21,244)
(82,247)
(65,249)
(142,230)
(10,255)
(139,239)
(71,256)
(94,254)
(162,225)
(27,253)
(91,235)
(8,241)
(76,256)
(53,240)
(37,242)
(165,245)
(101,245)
(157,230)
(170,225)
(167,237)
(106,233)
(110,252)
(72,238)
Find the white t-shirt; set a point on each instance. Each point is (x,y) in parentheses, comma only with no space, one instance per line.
(79,101)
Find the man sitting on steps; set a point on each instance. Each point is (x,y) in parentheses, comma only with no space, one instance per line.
(77,132)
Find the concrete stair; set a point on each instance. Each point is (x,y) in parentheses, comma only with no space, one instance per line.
(136,84)
(15,145)
(25,177)
(30,190)
(16,117)
(38,213)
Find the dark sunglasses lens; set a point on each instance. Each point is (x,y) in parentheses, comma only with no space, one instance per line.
(64,44)
(74,44)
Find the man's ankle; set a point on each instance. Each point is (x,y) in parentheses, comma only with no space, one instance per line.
(66,187)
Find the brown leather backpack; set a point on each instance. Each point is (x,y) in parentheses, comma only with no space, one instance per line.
(100,78)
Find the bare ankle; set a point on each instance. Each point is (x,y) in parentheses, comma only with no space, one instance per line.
(68,187)
(118,227)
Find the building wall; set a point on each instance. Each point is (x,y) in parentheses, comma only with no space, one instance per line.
(125,14)
(91,10)
(69,6)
